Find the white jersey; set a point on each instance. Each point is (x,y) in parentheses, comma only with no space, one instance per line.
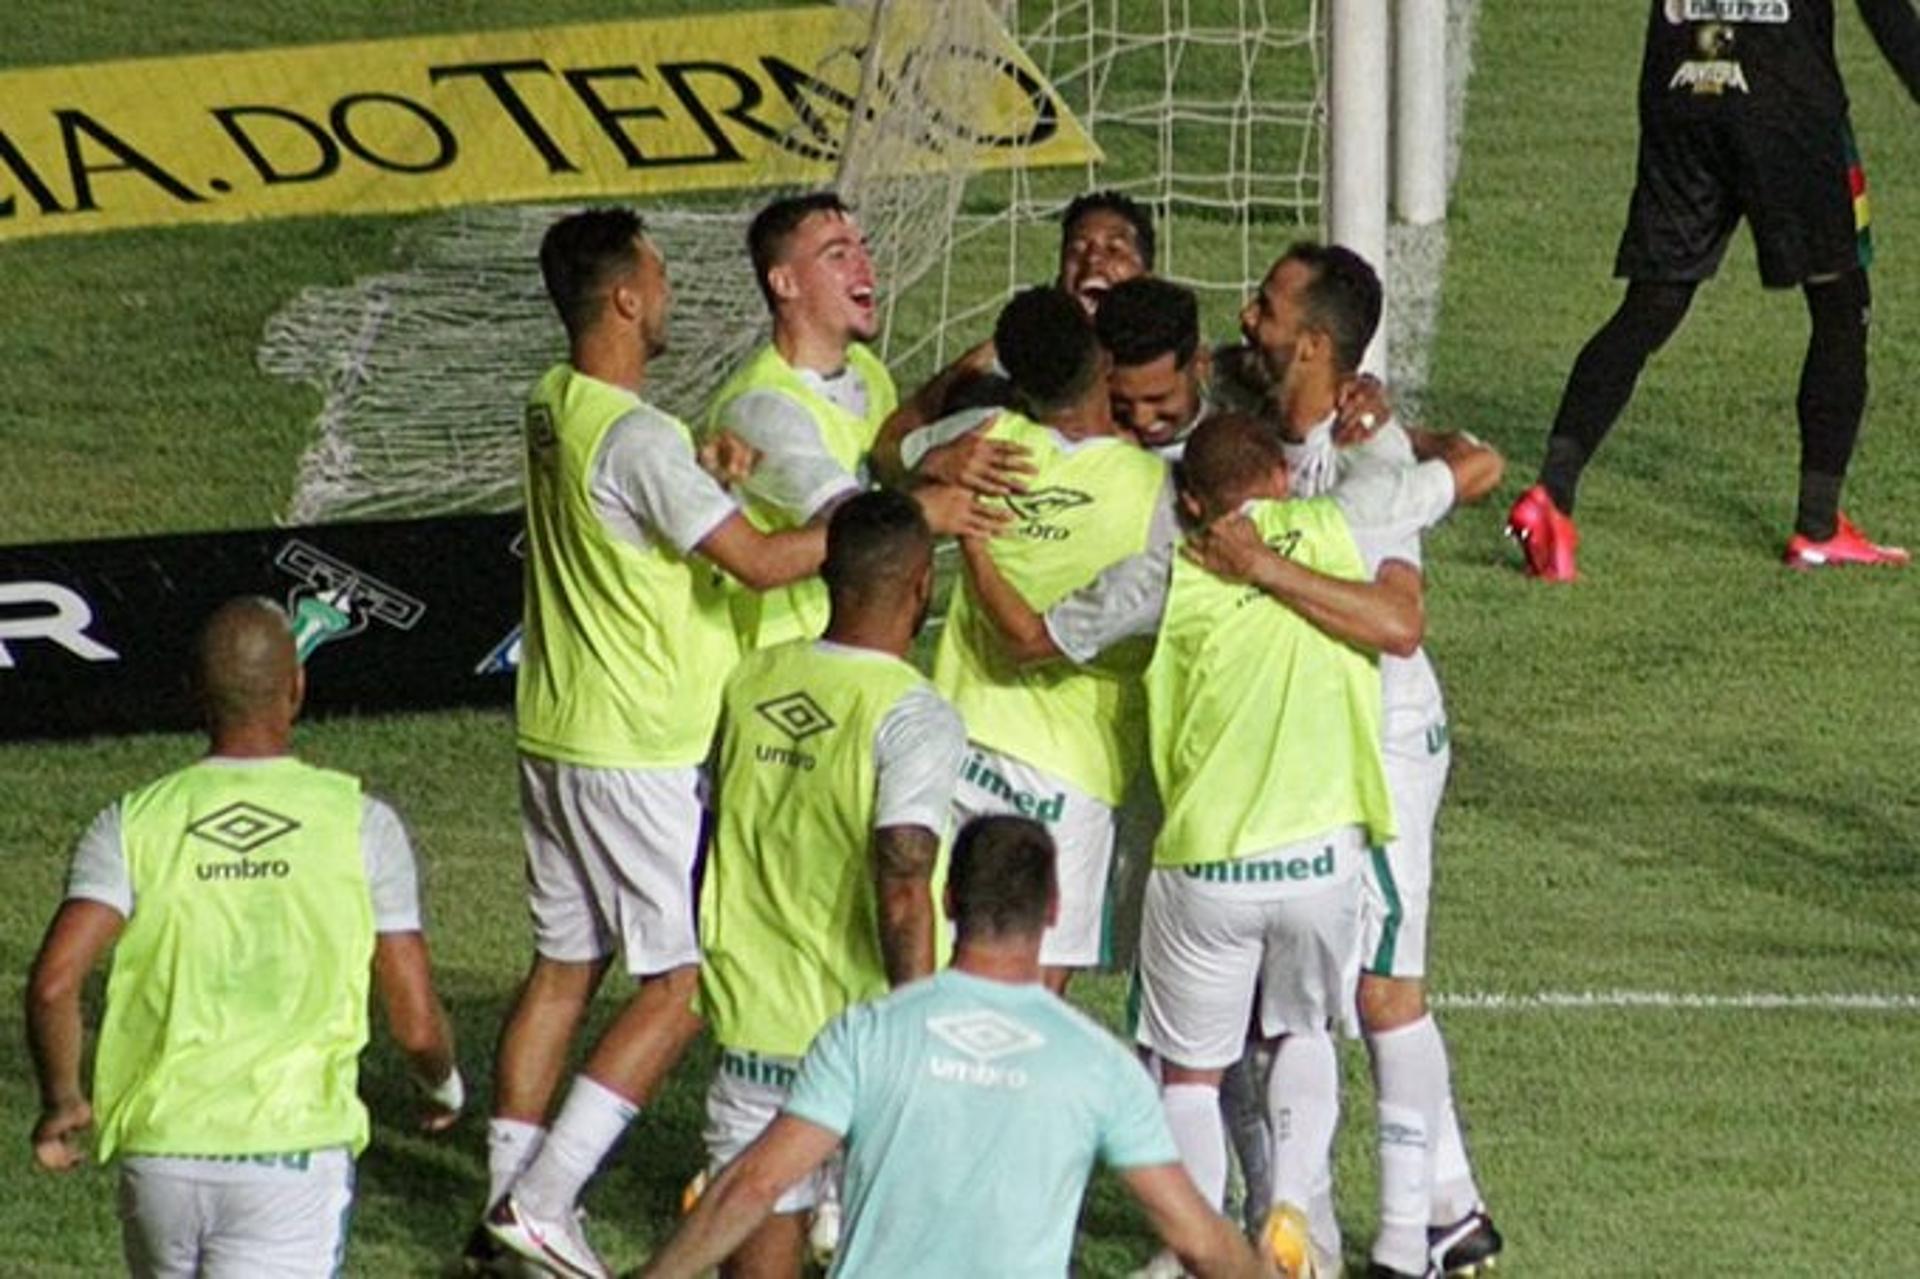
(796,475)
(647,485)
(917,754)
(1360,480)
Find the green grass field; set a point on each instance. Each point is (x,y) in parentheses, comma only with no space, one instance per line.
(1688,773)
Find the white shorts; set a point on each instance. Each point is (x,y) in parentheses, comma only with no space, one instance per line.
(1214,938)
(274,1217)
(1082,829)
(610,861)
(747,1094)
(1399,878)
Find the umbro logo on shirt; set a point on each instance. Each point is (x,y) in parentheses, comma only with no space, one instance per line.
(985,1037)
(1034,509)
(243,828)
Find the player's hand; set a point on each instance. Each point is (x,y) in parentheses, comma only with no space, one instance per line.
(1229,548)
(727,458)
(59,1139)
(1361,409)
(994,468)
(953,511)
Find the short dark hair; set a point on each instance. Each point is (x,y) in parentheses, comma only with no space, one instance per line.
(877,542)
(1226,454)
(1043,339)
(582,254)
(1342,299)
(1111,201)
(1144,318)
(767,233)
(1002,877)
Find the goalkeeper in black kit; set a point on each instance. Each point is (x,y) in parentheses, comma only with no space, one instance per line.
(1742,114)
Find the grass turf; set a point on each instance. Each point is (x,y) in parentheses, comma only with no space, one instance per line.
(1688,772)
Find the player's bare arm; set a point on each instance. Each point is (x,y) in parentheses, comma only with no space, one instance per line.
(403,974)
(1023,632)
(1385,615)
(903,858)
(80,933)
(741,1197)
(922,407)
(1206,1243)
(763,561)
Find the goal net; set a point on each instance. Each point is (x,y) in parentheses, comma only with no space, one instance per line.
(1208,111)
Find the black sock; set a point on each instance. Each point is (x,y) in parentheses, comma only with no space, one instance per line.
(1603,378)
(1833,395)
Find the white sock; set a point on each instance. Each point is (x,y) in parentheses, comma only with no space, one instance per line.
(1193,1113)
(1410,1086)
(1455,1194)
(1303,1105)
(1323,1224)
(511,1146)
(590,1122)
(1243,1108)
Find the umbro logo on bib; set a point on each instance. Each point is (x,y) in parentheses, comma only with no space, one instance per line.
(243,828)
(1034,510)
(796,715)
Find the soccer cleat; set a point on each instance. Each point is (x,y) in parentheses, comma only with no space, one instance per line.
(484,1255)
(823,1232)
(556,1244)
(1848,545)
(1288,1247)
(1547,537)
(1470,1246)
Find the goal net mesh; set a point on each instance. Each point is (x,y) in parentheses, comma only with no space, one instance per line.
(1208,111)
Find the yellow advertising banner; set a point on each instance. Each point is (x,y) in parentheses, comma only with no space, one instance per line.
(621,108)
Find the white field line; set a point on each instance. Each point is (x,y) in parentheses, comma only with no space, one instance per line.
(1748,1001)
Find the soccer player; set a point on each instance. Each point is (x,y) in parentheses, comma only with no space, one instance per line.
(972,1108)
(837,762)
(250,899)
(1058,746)
(1106,238)
(627,644)
(1157,386)
(1310,322)
(1265,724)
(1742,114)
(809,402)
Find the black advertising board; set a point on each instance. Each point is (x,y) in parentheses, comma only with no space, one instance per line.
(96,637)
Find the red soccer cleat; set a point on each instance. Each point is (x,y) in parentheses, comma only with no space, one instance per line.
(1848,545)
(1547,537)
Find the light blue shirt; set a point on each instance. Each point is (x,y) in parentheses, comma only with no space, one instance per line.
(972,1113)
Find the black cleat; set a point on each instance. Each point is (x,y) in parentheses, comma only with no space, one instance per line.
(1470,1246)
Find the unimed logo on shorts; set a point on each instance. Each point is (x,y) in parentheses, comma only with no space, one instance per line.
(243,828)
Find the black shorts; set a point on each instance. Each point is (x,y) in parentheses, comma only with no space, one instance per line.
(1801,189)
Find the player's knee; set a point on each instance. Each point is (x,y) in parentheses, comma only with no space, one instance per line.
(1388,1003)
(1652,312)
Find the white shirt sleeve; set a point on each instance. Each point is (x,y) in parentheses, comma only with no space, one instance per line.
(796,474)
(1128,599)
(1389,507)
(98,871)
(946,430)
(917,752)
(648,485)
(393,877)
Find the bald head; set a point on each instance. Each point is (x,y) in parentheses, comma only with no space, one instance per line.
(246,668)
